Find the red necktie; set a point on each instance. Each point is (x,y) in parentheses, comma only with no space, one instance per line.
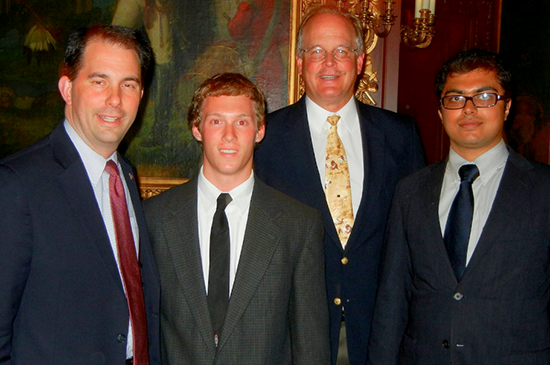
(129,267)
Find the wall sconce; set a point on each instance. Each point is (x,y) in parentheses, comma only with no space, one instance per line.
(421,35)
(375,25)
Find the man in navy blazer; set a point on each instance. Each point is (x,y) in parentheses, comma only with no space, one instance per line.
(484,300)
(381,148)
(62,299)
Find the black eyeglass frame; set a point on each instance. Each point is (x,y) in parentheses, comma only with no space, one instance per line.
(471,98)
(325,52)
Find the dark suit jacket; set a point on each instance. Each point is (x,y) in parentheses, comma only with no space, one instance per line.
(277,313)
(498,313)
(61,295)
(392,150)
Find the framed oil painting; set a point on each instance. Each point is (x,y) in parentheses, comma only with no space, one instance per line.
(192,40)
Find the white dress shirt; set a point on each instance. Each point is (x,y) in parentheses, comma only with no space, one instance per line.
(349,132)
(491,166)
(99,178)
(237,217)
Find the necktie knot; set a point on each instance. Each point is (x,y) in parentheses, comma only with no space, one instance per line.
(468,173)
(333,119)
(111,168)
(223,201)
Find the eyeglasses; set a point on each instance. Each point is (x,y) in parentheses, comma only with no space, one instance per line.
(318,54)
(483,100)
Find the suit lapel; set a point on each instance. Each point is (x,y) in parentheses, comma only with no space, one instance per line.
(429,208)
(145,250)
(260,242)
(80,196)
(512,192)
(182,237)
(373,142)
(300,148)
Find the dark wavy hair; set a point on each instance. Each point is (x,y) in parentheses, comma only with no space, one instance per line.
(470,60)
(124,37)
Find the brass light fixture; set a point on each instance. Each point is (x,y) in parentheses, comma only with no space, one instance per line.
(423,30)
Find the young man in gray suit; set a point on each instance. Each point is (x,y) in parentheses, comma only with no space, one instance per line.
(242,280)
(466,274)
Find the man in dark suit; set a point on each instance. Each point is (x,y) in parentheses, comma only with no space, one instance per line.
(466,268)
(68,262)
(380,146)
(257,296)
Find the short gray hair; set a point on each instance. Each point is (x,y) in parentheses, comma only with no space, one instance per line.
(325,9)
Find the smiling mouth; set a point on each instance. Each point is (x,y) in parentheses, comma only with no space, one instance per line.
(329,77)
(228,151)
(108,119)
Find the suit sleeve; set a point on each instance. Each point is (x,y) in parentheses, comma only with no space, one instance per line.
(392,301)
(308,308)
(15,254)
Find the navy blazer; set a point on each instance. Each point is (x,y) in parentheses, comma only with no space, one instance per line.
(498,312)
(392,150)
(61,295)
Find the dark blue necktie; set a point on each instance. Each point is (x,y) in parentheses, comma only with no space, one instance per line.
(218,279)
(459,223)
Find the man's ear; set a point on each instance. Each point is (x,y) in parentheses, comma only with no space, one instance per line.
(196,133)
(65,86)
(260,133)
(507,107)
(360,62)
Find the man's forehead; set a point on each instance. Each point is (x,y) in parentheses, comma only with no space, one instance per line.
(475,79)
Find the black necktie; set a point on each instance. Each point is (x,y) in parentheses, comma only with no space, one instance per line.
(218,279)
(459,223)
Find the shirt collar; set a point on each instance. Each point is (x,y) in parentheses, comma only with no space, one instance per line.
(209,193)
(317,116)
(94,163)
(488,163)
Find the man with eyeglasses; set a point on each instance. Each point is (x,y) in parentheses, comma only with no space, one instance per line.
(465,274)
(343,158)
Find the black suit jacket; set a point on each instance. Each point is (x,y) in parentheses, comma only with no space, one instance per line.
(498,313)
(61,295)
(277,312)
(392,150)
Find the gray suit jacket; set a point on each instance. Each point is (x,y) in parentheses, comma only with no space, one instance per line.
(277,313)
(498,312)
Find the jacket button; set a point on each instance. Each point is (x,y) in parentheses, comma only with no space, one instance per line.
(344,260)
(458,296)
(337,301)
(446,344)
(121,338)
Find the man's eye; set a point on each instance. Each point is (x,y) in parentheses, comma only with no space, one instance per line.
(484,96)
(316,51)
(455,99)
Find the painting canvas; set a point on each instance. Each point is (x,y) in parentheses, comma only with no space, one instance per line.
(192,40)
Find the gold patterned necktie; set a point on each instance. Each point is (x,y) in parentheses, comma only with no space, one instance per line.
(337,183)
